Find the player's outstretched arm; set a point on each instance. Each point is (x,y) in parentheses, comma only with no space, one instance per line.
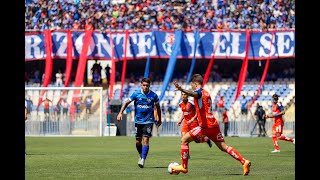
(188,92)
(123,107)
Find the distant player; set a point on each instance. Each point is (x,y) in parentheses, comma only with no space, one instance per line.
(277,128)
(189,118)
(89,102)
(46,107)
(208,126)
(144,102)
(225,120)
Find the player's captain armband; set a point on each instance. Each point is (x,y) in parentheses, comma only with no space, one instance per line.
(275,115)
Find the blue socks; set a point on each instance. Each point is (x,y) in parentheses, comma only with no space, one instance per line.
(145,150)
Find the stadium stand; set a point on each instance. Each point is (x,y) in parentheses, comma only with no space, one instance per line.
(140,15)
(227,88)
(159,14)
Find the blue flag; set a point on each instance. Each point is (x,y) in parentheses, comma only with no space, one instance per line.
(171,63)
(193,62)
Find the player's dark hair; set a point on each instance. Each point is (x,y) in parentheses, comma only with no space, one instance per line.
(275,97)
(197,78)
(147,80)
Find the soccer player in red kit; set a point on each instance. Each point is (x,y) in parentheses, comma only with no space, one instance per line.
(189,118)
(277,128)
(208,126)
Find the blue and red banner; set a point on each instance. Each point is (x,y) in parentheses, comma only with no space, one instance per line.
(232,45)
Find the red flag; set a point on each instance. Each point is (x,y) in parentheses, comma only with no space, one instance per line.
(68,63)
(69,59)
(48,68)
(81,67)
(264,72)
(113,69)
(124,65)
(243,72)
(209,67)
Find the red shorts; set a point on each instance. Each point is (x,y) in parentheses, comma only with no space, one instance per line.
(277,127)
(186,128)
(212,133)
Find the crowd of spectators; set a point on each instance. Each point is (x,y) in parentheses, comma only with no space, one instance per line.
(187,15)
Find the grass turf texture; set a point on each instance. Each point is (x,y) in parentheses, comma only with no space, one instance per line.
(116,158)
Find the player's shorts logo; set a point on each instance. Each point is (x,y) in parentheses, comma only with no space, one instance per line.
(219,136)
(167,45)
(149,130)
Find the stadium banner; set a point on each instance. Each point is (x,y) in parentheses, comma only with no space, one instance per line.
(231,45)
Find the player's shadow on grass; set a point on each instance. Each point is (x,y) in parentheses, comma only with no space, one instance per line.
(160,167)
(34,154)
(232,174)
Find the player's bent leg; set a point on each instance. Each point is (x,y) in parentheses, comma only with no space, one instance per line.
(284,138)
(236,155)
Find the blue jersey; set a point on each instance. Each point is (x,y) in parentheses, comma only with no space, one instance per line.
(243,103)
(143,106)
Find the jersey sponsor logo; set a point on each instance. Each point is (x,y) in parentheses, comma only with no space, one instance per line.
(144,106)
(186,113)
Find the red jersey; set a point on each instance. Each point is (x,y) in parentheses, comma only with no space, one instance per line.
(220,103)
(188,112)
(225,117)
(46,104)
(203,107)
(277,108)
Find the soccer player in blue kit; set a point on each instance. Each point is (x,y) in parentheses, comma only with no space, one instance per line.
(144,102)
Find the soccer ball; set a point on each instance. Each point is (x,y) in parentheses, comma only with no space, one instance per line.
(171,165)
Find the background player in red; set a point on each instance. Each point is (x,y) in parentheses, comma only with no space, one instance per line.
(220,107)
(225,120)
(189,118)
(277,128)
(46,107)
(208,126)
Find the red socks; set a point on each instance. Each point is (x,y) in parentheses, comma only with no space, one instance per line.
(234,153)
(275,142)
(184,155)
(284,138)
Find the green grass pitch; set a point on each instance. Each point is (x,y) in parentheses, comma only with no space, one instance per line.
(116,158)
